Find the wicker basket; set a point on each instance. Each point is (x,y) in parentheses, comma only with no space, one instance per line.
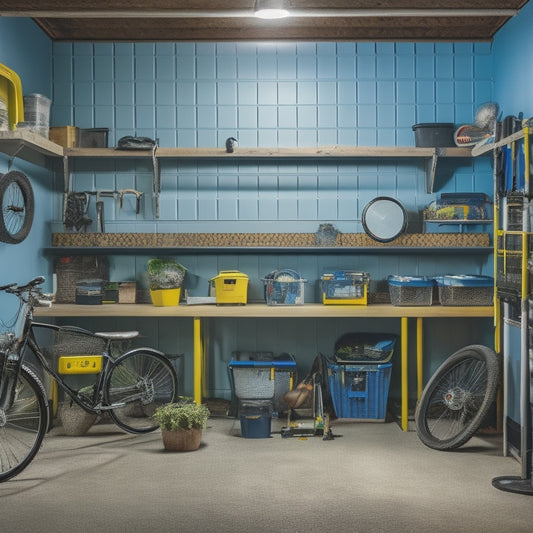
(70,270)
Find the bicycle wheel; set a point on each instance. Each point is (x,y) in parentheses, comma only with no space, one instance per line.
(142,380)
(457,398)
(23,425)
(17,207)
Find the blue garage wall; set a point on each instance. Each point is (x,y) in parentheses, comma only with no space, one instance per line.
(513,69)
(25,49)
(275,95)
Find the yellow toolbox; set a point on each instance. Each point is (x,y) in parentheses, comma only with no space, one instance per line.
(80,364)
(231,287)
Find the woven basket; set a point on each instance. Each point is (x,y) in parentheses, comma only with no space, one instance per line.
(71,270)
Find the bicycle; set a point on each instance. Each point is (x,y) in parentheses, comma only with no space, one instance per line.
(457,398)
(129,386)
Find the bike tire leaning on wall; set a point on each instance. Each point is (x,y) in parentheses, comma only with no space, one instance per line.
(17,207)
(23,424)
(457,398)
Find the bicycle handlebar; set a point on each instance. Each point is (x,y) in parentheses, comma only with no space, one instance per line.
(14,287)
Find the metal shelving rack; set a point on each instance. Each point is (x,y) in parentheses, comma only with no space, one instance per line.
(512,288)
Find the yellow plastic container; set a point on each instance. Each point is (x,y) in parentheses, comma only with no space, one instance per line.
(165,297)
(11,94)
(231,287)
(80,364)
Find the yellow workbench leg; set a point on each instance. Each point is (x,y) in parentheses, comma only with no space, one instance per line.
(405,377)
(198,358)
(419,356)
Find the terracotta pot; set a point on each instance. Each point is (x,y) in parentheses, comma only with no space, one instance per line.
(182,440)
(75,420)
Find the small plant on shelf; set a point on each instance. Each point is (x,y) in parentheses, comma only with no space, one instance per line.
(165,275)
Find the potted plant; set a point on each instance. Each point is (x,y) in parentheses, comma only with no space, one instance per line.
(165,278)
(181,424)
(75,420)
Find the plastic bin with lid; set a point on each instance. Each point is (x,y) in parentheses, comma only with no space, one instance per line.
(345,287)
(411,290)
(465,290)
(231,287)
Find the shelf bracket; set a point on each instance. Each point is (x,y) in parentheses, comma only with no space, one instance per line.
(156,182)
(67,178)
(13,155)
(431,169)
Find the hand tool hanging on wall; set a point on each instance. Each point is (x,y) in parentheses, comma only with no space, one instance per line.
(138,196)
(76,205)
(100,222)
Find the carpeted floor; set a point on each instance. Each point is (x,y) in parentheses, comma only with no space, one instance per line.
(371,478)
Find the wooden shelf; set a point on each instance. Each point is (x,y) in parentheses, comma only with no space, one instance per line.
(11,143)
(281,153)
(30,147)
(66,251)
(263,311)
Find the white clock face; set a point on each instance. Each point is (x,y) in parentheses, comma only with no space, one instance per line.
(384,219)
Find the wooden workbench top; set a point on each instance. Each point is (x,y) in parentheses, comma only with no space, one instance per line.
(313,310)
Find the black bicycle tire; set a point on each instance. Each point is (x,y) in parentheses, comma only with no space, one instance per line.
(23,183)
(432,398)
(42,405)
(119,372)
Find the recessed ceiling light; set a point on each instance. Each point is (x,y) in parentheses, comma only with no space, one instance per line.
(271,9)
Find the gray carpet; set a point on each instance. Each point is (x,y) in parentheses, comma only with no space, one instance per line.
(371,478)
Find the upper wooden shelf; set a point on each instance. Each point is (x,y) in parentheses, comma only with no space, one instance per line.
(259,153)
(30,147)
(25,144)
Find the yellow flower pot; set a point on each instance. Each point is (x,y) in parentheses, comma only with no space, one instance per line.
(165,297)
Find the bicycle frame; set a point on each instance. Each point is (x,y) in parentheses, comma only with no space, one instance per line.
(96,406)
(17,353)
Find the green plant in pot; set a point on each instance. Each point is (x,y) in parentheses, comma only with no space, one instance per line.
(165,278)
(181,424)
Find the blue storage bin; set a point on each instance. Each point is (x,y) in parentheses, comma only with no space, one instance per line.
(267,380)
(256,420)
(465,290)
(411,290)
(360,391)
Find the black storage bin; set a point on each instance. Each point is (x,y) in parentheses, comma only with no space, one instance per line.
(434,134)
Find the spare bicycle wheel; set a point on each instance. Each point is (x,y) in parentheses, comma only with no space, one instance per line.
(17,206)
(457,398)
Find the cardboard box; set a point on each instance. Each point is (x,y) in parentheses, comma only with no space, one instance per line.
(67,136)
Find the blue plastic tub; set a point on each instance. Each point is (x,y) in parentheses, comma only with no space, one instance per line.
(360,391)
(465,290)
(411,290)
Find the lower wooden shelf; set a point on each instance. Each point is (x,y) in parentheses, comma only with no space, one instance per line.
(263,311)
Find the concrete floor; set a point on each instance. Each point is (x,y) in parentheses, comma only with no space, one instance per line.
(371,478)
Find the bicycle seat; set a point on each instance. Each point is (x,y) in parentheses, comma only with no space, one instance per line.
(117,335)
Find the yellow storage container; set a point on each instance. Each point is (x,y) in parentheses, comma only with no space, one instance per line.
(11,99)
(231,287)
(80,364)
(165,297)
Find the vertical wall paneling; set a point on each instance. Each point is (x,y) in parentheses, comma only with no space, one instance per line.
(272,95)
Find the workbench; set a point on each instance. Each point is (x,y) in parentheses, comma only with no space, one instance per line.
(199,312)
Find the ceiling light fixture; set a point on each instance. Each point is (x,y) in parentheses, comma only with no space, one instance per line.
(271,9)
